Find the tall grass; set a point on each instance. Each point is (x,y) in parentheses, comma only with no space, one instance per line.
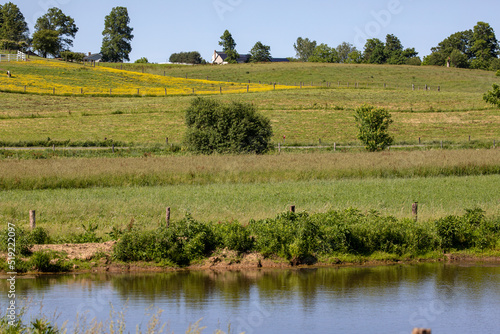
(62,211)
(199,170)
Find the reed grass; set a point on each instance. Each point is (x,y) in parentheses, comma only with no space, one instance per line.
(63,211)
(236,169)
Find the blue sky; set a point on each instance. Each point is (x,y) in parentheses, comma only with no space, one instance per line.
(162,27)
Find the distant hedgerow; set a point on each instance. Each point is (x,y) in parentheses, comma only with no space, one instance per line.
(215,127)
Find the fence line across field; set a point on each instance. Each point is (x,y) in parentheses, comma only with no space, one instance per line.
(192,91)
(20,56)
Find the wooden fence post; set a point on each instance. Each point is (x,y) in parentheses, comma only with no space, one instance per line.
(32,219)
(421,331)
(414,211)
(25,88)
(220,89)
(167,216)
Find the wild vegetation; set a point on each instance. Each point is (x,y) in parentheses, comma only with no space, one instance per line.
(137,173)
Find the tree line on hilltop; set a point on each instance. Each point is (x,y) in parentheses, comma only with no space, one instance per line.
(476,48)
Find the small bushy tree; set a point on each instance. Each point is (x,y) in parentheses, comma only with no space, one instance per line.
(493,96)
(142,60)
(215,127)
(373,124)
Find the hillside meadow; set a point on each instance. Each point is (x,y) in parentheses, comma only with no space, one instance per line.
(304,115)
(115,190)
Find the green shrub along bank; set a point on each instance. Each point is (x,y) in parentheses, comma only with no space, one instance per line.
(302,237)
(296,237)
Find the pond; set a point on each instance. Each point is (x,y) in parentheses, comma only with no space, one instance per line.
(390,299)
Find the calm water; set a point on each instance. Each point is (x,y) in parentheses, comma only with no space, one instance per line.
(446,298)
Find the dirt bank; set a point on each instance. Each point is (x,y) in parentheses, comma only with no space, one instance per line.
(98,258)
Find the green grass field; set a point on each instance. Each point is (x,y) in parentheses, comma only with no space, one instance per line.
(67,192)
(303,115)
(62,211)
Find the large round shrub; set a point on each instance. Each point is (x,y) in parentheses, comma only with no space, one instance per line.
(216,127)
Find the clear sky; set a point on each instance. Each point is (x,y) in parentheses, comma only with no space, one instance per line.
(162,27)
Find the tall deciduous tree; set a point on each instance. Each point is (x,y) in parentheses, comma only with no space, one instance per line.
(374,52)
(343,51)
(46,42)
(304,48)
(484,45)
(116,43)
(260,53)
(14,30)
(324,54)
(55,20)
(229,47)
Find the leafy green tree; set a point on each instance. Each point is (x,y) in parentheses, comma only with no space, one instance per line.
(374,52)
(193,57)
(458,41)
(355,57)
(229,47)
(260,53)
(373,124)
(116,43)
(493,96)
(479,45)
(414,61)
(458,59)
(304,48)
(343,51)
(484,42)
(46,42)
(324,54)
(14,30)
(434,59)
(216,127)
(56,20)
(72,56)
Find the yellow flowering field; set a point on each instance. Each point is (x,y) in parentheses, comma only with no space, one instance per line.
(62,78)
